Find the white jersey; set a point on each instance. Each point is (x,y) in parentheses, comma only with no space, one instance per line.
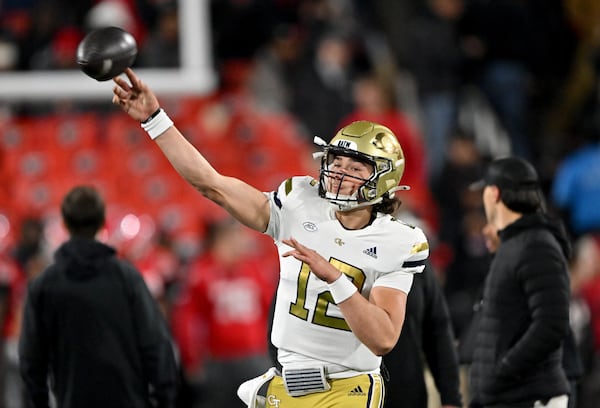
(308,325)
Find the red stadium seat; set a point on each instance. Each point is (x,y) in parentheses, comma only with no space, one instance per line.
(122,135)
(34,198)
(18,135)
(31,165)
(69,132)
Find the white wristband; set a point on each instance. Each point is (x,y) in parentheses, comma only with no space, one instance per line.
(157,125)
(341,289)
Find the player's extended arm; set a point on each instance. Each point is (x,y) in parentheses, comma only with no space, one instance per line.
(247,204)
(377,321)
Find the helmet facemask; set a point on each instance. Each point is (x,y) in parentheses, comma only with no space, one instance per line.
(369,143)
(328,174)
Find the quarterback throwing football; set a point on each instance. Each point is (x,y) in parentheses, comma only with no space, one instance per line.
(346,263)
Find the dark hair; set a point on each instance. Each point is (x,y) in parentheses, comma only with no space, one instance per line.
(83,213)
(387,205)
(524,201)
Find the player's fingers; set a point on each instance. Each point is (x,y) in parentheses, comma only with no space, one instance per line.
(136,83)
(289,242)
(121,95)
(298,249)
(118,80)
(288,253)
(301,248)
(123,104)
(130,74)
(139,85)
(121,83)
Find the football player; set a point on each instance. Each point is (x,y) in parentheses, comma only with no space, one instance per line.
(346,263)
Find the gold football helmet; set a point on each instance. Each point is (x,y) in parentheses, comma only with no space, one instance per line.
(370,143)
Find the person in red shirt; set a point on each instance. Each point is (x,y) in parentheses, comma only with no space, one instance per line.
(220,320)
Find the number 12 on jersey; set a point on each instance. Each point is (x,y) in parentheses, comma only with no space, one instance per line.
(324,299)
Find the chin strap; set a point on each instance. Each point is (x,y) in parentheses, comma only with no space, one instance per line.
(398,188)
(347,206)
(353,205)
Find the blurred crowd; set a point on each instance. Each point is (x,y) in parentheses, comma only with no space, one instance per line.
(460,82)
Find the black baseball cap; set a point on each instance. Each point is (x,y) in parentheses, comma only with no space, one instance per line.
(512,173)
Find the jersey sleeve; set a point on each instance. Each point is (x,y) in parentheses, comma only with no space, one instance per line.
(278,199)
(413,251)
(273,228)
(415,262)
(416,251)
(396,280)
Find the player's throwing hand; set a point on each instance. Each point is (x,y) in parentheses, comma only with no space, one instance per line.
(318,265)
(134,97)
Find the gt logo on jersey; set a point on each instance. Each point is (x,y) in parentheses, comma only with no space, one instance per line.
(339,241)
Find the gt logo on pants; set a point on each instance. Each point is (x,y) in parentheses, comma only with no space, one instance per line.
(273,401)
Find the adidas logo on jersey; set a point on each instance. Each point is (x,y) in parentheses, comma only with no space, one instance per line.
(356,392)
(372,252)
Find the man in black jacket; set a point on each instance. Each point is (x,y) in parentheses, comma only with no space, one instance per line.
(517,360)
(92,332)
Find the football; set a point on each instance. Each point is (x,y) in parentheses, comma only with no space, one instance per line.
(106,52)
